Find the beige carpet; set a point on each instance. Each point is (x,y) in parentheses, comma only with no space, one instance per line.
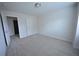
(40,45)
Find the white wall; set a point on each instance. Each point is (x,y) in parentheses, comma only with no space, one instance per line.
(10,26)
(22,24)
(2,41)
(76,41)
(32,25)
(60,24)
(6,29)
(26,27)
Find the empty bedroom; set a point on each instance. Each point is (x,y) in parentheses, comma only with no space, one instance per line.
(39,29)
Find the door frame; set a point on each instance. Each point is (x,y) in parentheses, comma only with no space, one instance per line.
(3,30)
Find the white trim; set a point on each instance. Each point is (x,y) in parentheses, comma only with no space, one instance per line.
(56,37)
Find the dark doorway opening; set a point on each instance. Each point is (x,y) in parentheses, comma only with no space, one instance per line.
(13,26)
(16,30)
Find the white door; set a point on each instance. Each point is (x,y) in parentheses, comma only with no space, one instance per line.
(2,41)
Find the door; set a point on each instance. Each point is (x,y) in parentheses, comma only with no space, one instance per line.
(2,40)
(16,30)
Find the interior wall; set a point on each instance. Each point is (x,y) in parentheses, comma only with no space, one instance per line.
(22,24)
(10,26)
(6,29)
(60,24)
(32,25)
(2,41)
(26,27)
(76,41)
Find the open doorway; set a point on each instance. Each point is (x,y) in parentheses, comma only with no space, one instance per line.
(13,26)
(16,30)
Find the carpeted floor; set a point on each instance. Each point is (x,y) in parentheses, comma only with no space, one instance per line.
(40,45)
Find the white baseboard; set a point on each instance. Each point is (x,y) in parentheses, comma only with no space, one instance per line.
(53,36)
(32,34)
